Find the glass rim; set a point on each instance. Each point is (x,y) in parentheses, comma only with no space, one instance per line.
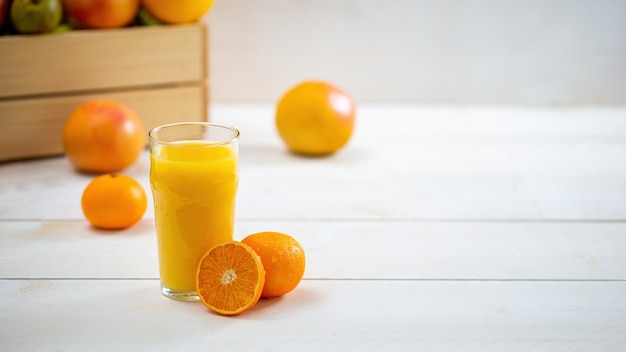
(194,123)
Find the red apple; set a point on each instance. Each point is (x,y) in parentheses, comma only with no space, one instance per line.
(4,7)
(101,13)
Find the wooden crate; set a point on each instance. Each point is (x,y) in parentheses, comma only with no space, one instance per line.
(159,72)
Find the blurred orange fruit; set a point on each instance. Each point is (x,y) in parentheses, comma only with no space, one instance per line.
(101,13)
(113,202)
(181,11)
(230,278)
(315,118)
(103,136)
(283,260)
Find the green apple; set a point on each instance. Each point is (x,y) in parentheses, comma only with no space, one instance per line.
(63,28)
(36,16)
(146,19)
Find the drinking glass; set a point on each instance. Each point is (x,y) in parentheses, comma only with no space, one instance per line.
(194,177)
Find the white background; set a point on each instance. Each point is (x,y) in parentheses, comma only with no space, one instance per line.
(422,51)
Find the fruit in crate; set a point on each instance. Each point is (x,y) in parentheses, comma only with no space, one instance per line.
(101,14)
(36,16)
(146,19)
(315,118)
(4,7)
(178,12)
(103,136)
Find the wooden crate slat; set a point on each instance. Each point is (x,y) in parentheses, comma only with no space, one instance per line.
(102,59)
(33,127)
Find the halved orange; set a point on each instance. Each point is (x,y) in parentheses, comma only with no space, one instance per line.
(230,278)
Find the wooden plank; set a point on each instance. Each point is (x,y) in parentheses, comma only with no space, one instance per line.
(33,127)
(128,315)
(470,180)
(97,59)
(412,123)
(372,249)
(439,166)
(442,163)
(339,250)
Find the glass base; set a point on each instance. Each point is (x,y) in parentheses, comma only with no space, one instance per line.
(187,296)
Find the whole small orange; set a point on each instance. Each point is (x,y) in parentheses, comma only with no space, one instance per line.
(113,201)
(315,118)
(178,12)
(103,136)
(283,260)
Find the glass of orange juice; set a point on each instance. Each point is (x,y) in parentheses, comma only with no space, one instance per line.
(194,177)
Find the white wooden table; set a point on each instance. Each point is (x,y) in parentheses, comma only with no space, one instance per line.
(436,229)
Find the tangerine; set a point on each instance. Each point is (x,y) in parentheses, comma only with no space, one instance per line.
(230,278)
(113,201)
(178,12)
(315,118)
(283,260)
(103,136)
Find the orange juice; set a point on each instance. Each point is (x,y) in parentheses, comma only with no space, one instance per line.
(194,184)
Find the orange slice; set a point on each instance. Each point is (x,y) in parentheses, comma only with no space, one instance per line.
(230,278)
